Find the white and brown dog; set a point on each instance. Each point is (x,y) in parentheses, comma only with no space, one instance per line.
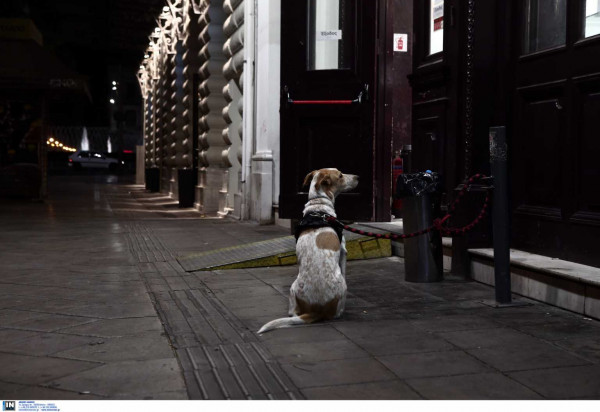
(319,291)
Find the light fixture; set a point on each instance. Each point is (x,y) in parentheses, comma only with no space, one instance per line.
(51,139)
(114,83)
(114,88)
(112,101)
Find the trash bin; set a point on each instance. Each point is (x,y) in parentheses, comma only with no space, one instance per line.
(421,199)
(153,179)
(186,181)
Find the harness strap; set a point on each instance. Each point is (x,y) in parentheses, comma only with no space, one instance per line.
(316,220)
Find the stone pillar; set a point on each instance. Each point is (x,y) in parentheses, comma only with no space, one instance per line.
(233,69)
(211,194)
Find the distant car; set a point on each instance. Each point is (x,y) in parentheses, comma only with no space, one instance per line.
(84,159)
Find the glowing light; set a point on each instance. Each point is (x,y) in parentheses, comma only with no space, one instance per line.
(114,88)
(166,8)
(51,139)
(114,83)
(112,101)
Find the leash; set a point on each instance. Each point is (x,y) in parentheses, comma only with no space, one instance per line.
(438,224)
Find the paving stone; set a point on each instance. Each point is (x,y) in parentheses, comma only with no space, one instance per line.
(123,379)
(563,329)
(8,336)
(116,327)
(375,328)
(40,392)
(420,365)
(315,352)
(149,345)
(524,357)
(484,386)
(51,323)
(33,370)
(377,391)
(401,343)
(483,338)
(444,323)
(562,383)
(300,334)
(336,372)
(585,347)
(113,311)
(45,344)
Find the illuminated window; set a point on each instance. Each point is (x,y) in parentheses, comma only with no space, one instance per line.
(436,26)
(592,18)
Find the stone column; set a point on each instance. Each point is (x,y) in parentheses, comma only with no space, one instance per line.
(212,188)
(234,51)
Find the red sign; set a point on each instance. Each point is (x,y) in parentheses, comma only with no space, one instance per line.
(438,23)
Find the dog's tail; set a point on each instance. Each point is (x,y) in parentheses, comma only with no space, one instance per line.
(291,321)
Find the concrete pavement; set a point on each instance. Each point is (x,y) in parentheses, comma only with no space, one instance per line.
(95,306)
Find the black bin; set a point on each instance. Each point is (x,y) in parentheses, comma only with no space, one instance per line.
(153,179)
(423,260)
(186,181)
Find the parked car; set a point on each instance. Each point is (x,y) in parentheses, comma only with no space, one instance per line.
(84,159)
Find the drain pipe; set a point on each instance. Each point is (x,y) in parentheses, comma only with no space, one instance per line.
(248,119)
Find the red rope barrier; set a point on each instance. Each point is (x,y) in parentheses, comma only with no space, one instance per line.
(438,224)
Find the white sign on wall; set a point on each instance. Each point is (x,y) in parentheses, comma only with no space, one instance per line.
(324,35)
(400,42)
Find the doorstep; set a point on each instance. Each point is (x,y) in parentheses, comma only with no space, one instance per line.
(561,283)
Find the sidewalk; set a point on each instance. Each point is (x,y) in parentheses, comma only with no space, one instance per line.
(96,306)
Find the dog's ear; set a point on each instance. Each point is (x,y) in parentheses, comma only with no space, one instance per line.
(309,178)
(323,180)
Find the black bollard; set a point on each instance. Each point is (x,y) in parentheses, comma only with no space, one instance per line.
(500,215)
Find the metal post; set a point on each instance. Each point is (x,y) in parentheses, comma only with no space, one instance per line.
(500,216)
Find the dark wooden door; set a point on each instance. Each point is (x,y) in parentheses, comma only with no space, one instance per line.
(555,134)
(328,71)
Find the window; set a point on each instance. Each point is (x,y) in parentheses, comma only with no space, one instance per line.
(592,18)
(436,26)
(331,44)
(544,24)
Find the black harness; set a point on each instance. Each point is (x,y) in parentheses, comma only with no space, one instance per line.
(314,220)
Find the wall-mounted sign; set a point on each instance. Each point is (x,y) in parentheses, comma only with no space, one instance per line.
(437,15)
(324,35)
(400,42)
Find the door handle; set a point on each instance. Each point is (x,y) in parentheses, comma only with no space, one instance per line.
(363,95)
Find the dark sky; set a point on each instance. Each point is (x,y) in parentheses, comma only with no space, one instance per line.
(101,39)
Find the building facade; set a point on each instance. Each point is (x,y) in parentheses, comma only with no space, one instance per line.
(249,96)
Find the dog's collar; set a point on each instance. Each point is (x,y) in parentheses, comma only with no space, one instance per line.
(314,220)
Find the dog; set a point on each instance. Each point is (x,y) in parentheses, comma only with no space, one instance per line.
(319,291)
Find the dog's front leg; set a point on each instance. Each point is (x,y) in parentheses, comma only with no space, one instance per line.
(343,254)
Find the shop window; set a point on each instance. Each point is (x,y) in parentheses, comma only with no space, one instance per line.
(436,26)
(545,24)
(330,36)
(592,18)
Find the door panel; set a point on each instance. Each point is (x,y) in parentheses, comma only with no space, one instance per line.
(587,208)
(555,145)
(538,136)
(327,54)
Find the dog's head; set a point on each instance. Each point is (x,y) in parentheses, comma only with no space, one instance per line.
(330,182)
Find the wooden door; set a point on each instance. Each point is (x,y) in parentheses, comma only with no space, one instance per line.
(555,145)
(328,72)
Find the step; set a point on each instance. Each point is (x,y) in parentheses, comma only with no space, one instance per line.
(279,252)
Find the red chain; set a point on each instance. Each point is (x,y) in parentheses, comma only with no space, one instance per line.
(438,224)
